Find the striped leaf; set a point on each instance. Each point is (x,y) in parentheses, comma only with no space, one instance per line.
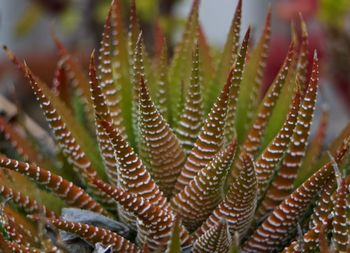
(319,219)
(133,176)
(60,84)
(137,73)
(282,184)
(280,225)
(102,110)
(70,145)
(203,193)
(66,190)
(75,74)
(14,230)
(239,204)
(22,146)
(162,96)
(163,152)
(94,234)
(209,139)
(340,223)
(253,141)
(315,148)
(216,239)
(303,60)
(252,80)
(239,64)
(285,98)
(228,55)
(109,88)
(29,205)
(121,65)
(267,162)
(179,69)
(70,136)
(9,246)
(158,222)
(191,118)
(134,31)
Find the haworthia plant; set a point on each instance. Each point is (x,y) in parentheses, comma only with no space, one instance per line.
(184,150)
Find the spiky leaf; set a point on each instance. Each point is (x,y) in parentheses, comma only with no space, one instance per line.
(191,118)
(239,204)
(179,69)
(254,137)
(163,152)
(228,56)
(133,176)
(340,224)
(109,88)
(216,239)
(94,234)
(101,110)
(283,182)
(209,139)
(267,162)
(157,222)
(25,202)
(252,79)
(65,189)
(239,64)
(203,193)
(279,226)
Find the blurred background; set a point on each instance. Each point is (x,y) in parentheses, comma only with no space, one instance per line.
(26,27)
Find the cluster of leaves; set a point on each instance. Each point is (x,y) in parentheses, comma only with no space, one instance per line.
(186,154)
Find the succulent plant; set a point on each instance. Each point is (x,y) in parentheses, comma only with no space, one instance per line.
(179,156)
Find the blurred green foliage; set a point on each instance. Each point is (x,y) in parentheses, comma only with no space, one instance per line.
(333,12)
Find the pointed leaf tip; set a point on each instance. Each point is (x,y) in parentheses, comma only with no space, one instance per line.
(139,38)
(12,57)
(303,25)
(337,172)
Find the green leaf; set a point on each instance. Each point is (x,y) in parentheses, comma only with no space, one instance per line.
(157,222)
(174,244)
(227,58)
(179,69)
(216,239)
(253,140)
(267,163)
(280,225)
(282,184)
(239,204)
(230,125)
(66,190)
(252,81)
(191,118)
(101,110)
(159,147)
(201,196)
(110,89)
(209,140)
(28,19)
